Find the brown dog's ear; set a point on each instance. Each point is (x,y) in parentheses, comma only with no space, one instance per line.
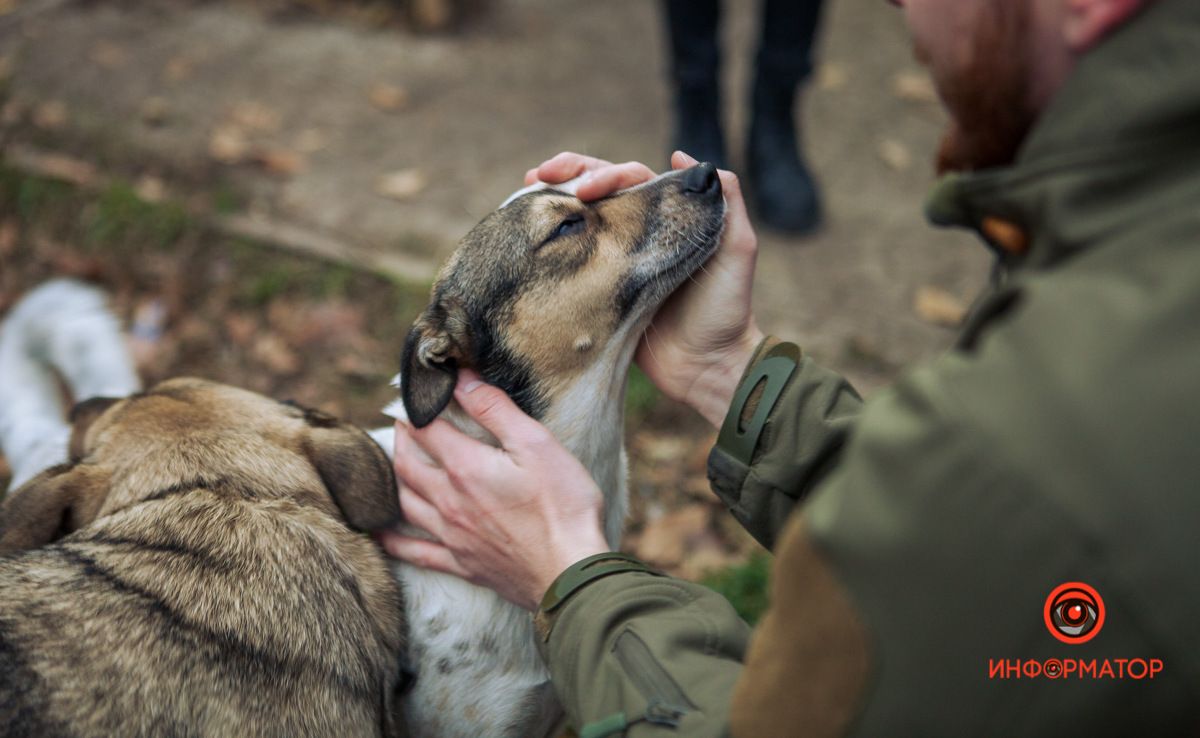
(82,416)
(356,471)
(60,500)
(435,347)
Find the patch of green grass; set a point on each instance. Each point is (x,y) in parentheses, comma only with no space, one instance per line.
(745,586)
(33,194)
(335,281)
(226,200)
(640,395)
(269,284)
(121,216)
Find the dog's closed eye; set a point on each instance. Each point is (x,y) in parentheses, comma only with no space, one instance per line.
(569,226)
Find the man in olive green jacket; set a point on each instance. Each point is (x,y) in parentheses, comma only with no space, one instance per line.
(1000,544)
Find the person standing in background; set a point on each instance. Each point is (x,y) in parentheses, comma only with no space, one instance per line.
(781,185)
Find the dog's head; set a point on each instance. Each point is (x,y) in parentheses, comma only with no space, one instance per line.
(188,433)
(547,283)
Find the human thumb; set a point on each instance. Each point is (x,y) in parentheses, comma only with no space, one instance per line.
(490,407)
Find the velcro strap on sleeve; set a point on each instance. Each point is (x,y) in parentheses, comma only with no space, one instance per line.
(755,398)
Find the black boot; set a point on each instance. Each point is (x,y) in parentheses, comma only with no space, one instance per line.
(695,74)
(782,186)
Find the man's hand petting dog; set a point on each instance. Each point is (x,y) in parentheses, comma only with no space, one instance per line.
(511,518)
(700,341)
(514,518)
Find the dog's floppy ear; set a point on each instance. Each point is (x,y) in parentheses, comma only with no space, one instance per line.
(355,470)
(435,347)
(60,500)
(82,416)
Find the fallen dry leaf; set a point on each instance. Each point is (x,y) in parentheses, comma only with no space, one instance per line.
(151,188)
(241,328)
(68,169)
(254,116)
(431,15)
(178,68)
(310,140)
(108,55)
(194,329)
(8,237)
(228,145)
(279,161)
(401,185)
(271,351)
(895,154)
(50,115)
(705,558)
(388,98)
(665,540)
(664,448)
(354,364)
(914,87)
(155,111)
(939,307)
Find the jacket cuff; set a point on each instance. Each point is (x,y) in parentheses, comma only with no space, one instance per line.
(639,654)
(576,577)
(741,440)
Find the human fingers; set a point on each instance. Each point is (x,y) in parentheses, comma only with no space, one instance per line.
(449,447)
(567,165)
(412,471)
(531,176)
(607,180)
(495,411)
(422,553)
(739,235)
(420,512)
(683,160)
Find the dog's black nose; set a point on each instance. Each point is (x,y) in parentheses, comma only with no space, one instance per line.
(702,179)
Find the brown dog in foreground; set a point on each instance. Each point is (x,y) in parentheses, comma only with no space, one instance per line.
(193,571)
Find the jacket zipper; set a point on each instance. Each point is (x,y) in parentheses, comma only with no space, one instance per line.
(666,702)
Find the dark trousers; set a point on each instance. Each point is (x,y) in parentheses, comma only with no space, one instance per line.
(784,51)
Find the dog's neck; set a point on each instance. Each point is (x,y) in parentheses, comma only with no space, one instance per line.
(588,418)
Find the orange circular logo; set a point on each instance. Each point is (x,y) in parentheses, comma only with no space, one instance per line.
(1074,613)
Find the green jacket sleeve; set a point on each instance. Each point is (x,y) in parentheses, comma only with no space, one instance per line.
(806,426)
(639,655)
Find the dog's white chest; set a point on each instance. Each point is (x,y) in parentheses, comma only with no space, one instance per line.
(478,670)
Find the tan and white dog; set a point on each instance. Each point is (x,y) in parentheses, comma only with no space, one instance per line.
(547,299)
(190,564)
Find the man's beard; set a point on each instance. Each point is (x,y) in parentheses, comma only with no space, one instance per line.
(989,101)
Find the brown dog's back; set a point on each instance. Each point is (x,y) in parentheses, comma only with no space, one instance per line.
(208,606)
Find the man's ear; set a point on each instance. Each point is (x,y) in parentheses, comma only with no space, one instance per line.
(435,347)
(81,417)
(60,500)
(1088,22)
(356,471)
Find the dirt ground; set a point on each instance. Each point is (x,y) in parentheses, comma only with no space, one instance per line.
(334,131)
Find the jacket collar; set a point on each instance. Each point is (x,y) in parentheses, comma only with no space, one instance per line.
(1123,127)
